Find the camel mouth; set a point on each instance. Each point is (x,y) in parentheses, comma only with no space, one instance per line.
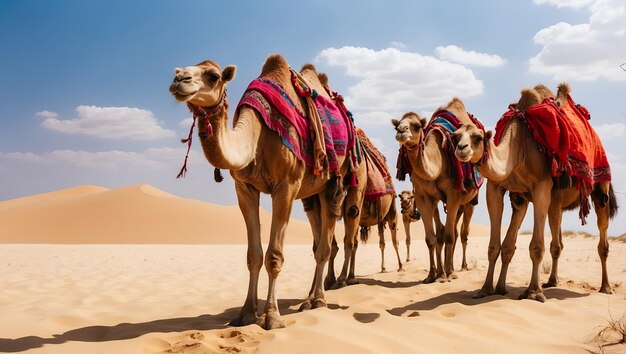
(463,156)
(183,97)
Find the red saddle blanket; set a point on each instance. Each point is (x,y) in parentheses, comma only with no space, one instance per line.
(567,137)
(379,180)
(569,141)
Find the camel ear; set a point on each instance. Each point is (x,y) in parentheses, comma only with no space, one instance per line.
(395,122)
(423,121)
(488,135)
(177,71)
(229,73)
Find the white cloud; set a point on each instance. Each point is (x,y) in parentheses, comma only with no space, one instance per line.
(587,51)
(398,45)
(611,131)
(459,55)
(565,3)
(110,123)
(153,158)
(396,81)
(186,122)
(47,114)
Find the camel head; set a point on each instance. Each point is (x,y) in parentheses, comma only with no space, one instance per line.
(409,129)
(202,85)
(406,200)
(471,143)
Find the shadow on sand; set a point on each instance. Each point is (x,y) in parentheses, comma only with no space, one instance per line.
(124,331)
(466,297)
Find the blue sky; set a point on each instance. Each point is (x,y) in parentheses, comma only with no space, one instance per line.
(84,100)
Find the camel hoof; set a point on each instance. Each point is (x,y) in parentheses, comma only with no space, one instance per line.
(352,281)
(464,268)
(305,306)
(452,276)
(484,292)
(550,284)
(500,291)
(606,289)
(329,282)
(533,295)
(429,279)
(383,270)
(339,284)
(273,321)
(407,260)
(243,320)
(319,303)
(400,269)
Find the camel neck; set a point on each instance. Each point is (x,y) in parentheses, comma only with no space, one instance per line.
(427,160)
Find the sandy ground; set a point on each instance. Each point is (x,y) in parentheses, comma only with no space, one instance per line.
(178,298)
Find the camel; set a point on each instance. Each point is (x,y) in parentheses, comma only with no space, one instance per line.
(259,162)
(410,214)
(519,166)
(433,181)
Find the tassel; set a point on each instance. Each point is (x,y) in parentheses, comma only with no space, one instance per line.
(217,175)
(187,141)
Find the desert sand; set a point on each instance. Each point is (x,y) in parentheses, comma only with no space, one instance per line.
(138,270)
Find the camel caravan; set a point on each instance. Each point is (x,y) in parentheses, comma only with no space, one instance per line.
(293,138)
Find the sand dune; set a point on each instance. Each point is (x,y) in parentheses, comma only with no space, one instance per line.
(176,298)
(134,214)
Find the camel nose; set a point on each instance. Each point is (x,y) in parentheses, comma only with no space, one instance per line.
(461,146)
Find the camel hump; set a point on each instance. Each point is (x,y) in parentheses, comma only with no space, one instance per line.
(529,98)
(564,89)
(456,103)
(323,79)
(274,63)
(308,67)
(543,91)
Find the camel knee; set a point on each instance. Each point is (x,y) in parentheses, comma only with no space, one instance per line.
(493,252)
(507,254)
(603,250)
(274,263)
(536,251)
(555,250)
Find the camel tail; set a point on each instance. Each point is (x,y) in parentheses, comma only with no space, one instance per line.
(364,233)
(612,202)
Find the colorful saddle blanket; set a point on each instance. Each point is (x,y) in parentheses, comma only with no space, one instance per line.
(446,123)
(379,180)
(281,115)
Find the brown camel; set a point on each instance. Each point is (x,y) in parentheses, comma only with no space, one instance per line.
(517,165)
(433,181)
(259,162)
(409,215)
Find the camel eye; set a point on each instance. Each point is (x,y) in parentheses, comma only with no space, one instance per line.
(213,77)
(478,139)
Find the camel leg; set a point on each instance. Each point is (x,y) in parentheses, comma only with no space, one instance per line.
(322,254)
(468,211)
(427,208)
(381,244)
(407,232)
(313,212)
(541,203)
(351,278)
(603,208)
(495,207)
(556,244)
(440,229)
(354,199)
(330,279)
(248,199)
(449,237)
(520,206)
(283,197)
(393,227)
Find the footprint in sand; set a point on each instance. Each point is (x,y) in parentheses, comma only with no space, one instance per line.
(242,340)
